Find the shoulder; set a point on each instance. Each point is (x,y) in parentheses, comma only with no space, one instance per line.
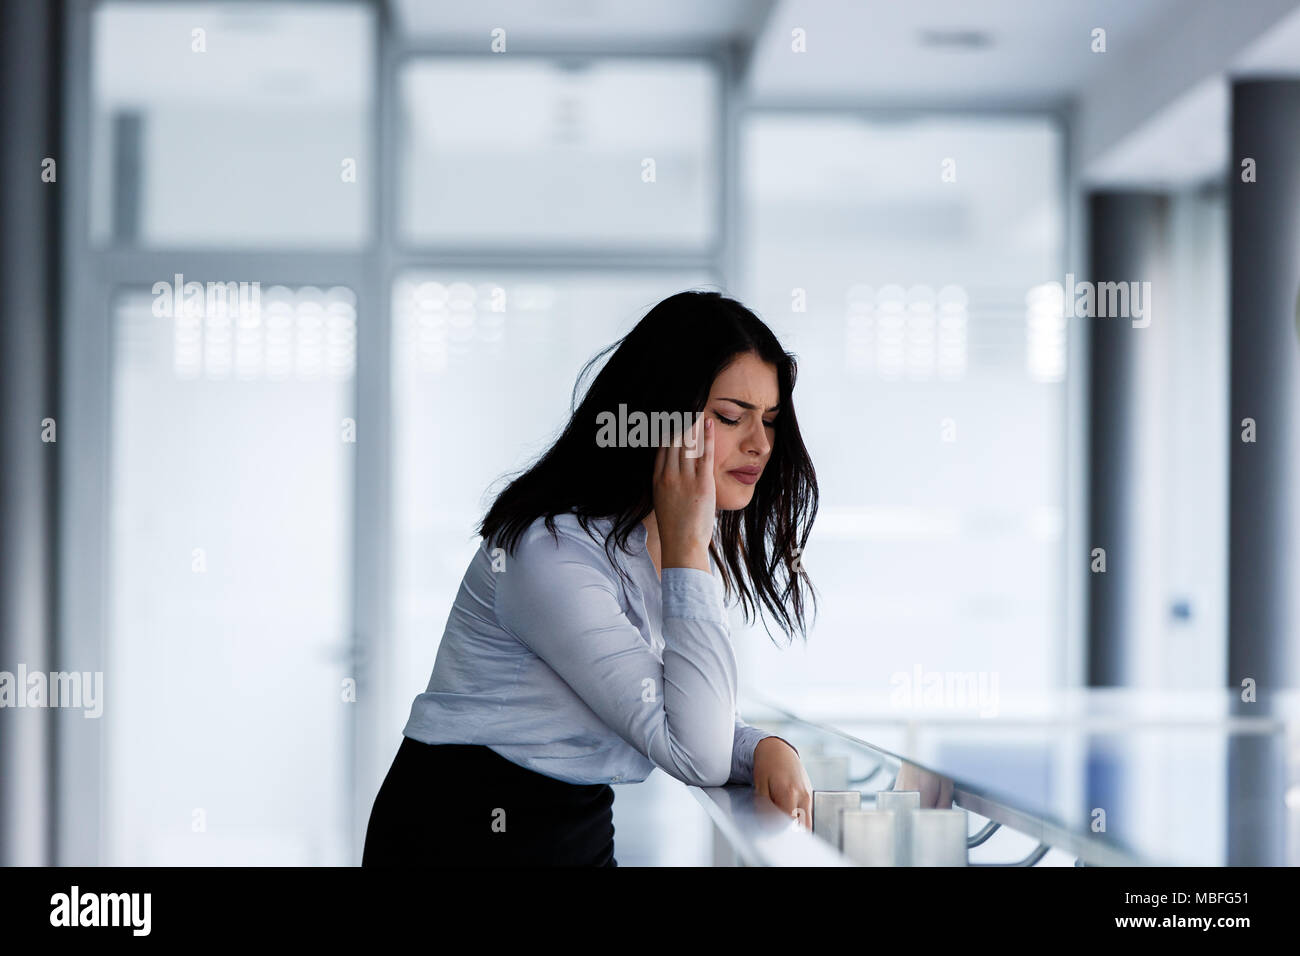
(567,528)
(540,547)
(555,574)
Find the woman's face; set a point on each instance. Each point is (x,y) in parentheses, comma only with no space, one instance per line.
(743,406)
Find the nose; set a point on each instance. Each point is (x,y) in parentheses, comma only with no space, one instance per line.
(755,440)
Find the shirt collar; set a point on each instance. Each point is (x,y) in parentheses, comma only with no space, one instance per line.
(639,536)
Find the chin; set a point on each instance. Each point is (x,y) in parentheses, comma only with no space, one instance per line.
(734,502)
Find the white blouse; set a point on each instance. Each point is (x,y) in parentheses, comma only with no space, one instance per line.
(550,659)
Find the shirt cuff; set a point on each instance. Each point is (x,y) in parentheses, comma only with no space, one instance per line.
(742,754)
(691,593)
(742,757)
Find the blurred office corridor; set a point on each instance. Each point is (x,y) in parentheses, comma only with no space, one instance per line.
(254,518)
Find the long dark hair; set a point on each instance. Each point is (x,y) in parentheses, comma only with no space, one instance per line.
(667,363)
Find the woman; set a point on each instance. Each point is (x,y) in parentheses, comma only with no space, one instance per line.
(589,643)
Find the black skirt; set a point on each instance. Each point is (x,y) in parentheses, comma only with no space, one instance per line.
(464,805)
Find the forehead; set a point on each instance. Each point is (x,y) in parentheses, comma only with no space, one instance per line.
(749,378)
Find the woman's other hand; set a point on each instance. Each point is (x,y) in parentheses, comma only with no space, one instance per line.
(779,776)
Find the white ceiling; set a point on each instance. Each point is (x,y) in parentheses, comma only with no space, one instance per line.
(1038,52)
(1277,52)
(1181,145)
(599,25)
(890,53)
(1150,111)
(1178,99)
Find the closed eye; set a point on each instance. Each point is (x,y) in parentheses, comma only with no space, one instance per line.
(736,421)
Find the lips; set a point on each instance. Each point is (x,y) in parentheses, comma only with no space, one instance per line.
(746,476)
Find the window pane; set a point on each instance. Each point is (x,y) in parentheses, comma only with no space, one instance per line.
(907,263)
(532,152)
(230,545)
(231,125)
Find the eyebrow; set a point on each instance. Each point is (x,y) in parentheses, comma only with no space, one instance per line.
(736,401)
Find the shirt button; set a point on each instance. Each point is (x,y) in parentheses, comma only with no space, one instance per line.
(616,778)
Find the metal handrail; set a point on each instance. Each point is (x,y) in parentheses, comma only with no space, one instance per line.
(1091,850)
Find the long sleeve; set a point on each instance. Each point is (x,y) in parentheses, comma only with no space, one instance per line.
(561,600)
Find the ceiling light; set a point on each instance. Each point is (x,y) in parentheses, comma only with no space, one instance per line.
(956,39)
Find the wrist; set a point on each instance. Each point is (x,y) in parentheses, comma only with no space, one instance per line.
(771,740)
(687,557)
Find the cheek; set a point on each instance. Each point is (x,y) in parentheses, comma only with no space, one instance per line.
(722,450)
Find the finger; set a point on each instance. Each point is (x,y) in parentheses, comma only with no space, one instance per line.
(660,459)
(672,457)
(786,801)
(689,448)
(695,438)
